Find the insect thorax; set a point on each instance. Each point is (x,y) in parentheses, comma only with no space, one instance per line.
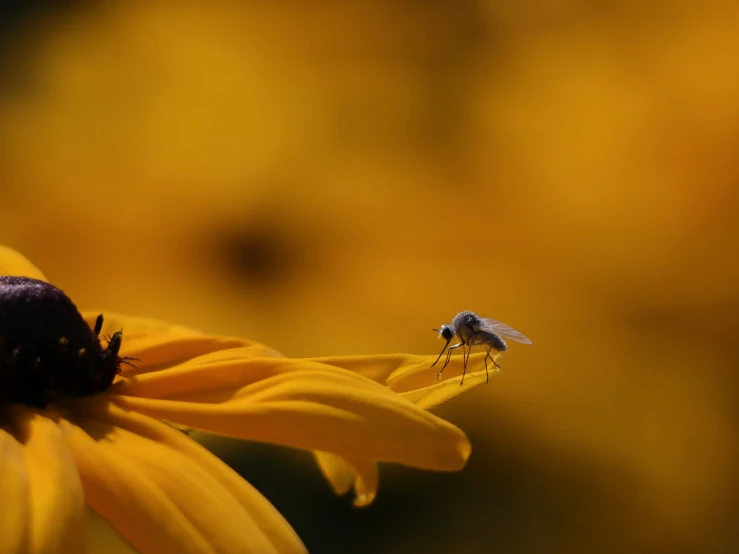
(466,319)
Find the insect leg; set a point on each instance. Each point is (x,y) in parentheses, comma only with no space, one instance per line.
(470,343)
(449,352)
(491,358)
(442,351)
(448,356)
(469,352)
(464,367)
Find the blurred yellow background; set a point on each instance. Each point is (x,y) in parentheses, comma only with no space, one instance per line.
(339,177)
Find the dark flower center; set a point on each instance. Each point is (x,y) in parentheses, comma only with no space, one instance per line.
(48,352)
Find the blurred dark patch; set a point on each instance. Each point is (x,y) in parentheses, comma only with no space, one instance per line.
(14,12)
(558,501)
(272,244)
(261,254)
(18,41)
(258,254)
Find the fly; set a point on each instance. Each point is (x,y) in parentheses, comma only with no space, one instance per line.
(474,330)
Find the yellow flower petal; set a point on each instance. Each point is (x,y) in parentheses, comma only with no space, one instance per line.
(56,503)
(337,471)
(171,354)
(157,498)
(297,403)
(269,520)
(131,502)
(368,479)
(14,491)
(159,345)
(442,391)
(12,263)
(342,474)
(157,351)
(406,373)
(414,377)
(43,509)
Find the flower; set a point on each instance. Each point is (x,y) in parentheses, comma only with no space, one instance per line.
(111,449)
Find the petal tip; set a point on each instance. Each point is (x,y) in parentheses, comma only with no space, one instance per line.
(465,450)
(364,500)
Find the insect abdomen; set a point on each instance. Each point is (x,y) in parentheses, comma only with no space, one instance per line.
(493,341)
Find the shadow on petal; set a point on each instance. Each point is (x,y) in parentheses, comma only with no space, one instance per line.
(56,502)
(158,499)
(269,520)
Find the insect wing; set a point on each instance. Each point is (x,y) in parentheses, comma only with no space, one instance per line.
(505,331)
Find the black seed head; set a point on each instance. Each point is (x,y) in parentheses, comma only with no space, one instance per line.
(47,350)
